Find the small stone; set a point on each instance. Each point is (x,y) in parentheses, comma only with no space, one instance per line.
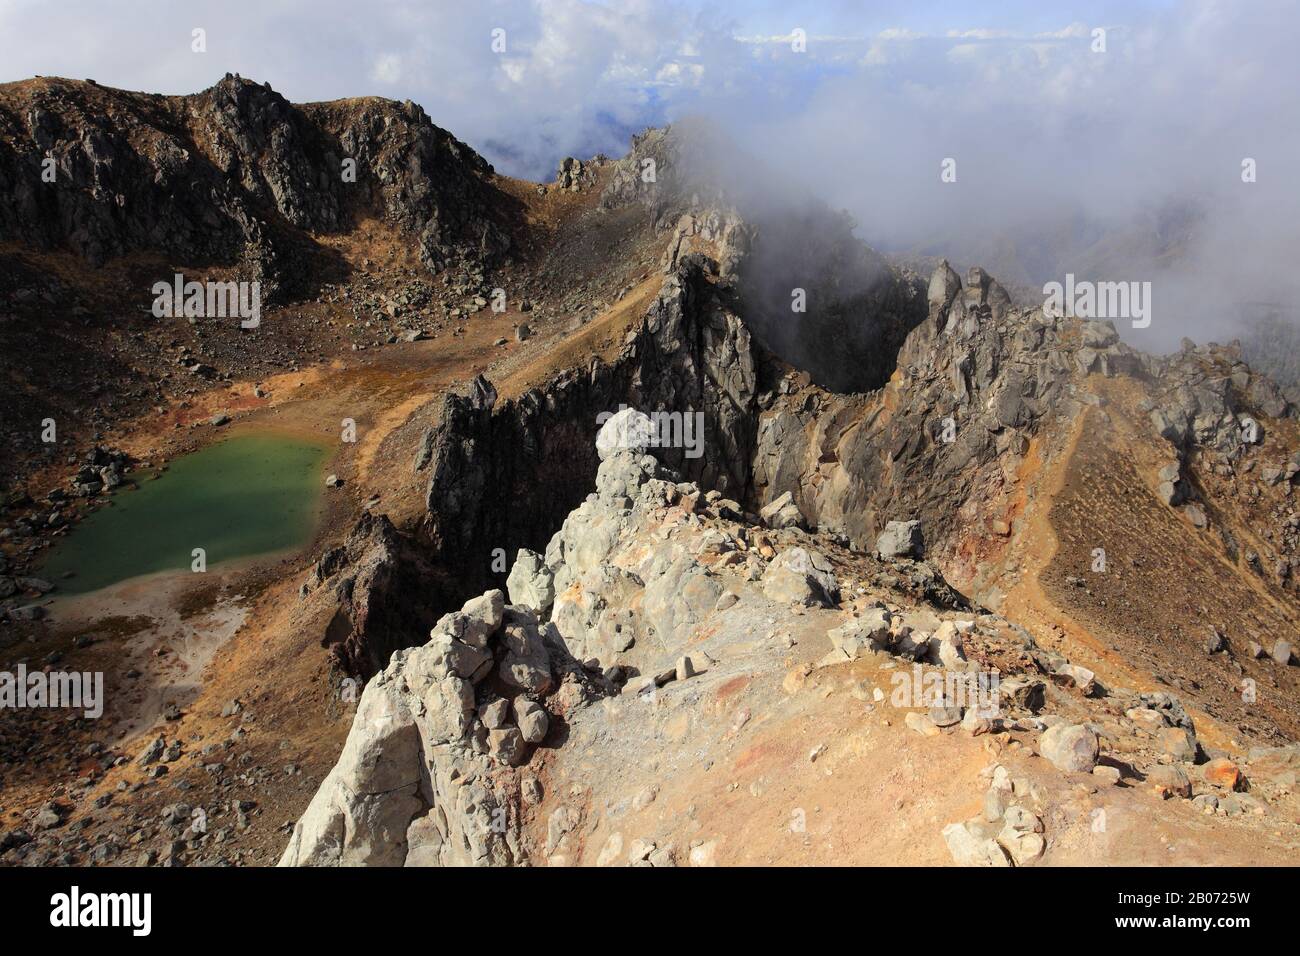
(900,539)
(532,719)
(639,851)
(663,856)
(495,714)
(151,752)
(968,848)
(611,851)
(704,854)
(685,668)
(974,724)
(1023,847)
(995,804)
(1169,781)
(922,724)
(1178,743)
(1149,720)
(1107,775)
(508,746)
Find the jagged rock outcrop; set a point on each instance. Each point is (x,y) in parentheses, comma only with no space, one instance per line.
(670,171)
(575,175)
(235,175)
(427,777)
(531,582)
(419,780)
(506,475)
(662,172)
(1208,396)
(969,388)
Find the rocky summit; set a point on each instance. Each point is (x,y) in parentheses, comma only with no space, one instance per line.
(613,558)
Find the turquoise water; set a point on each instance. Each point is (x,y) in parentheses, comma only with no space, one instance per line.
(247,495)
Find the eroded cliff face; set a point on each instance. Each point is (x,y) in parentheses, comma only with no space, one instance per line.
(950,429)
(973,382)
(504,475)
(945,441)
(375,562)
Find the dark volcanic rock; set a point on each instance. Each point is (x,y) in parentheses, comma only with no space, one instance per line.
(387,594)
(235,176)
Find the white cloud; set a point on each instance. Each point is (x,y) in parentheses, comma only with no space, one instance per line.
(1074,31)
(387,68)
(899,33)
(680,74)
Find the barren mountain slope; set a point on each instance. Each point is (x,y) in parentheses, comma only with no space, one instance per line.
(670,657)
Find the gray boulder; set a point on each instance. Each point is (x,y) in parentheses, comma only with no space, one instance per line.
(801,576)
(531,583)
(419,780)
(900,539)
(532,719)
(781,513)
(1071,748)
(627,430)
(969,846)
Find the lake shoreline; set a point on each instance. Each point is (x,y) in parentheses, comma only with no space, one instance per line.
(252,492)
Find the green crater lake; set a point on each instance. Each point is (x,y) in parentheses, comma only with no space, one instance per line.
(246,495)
